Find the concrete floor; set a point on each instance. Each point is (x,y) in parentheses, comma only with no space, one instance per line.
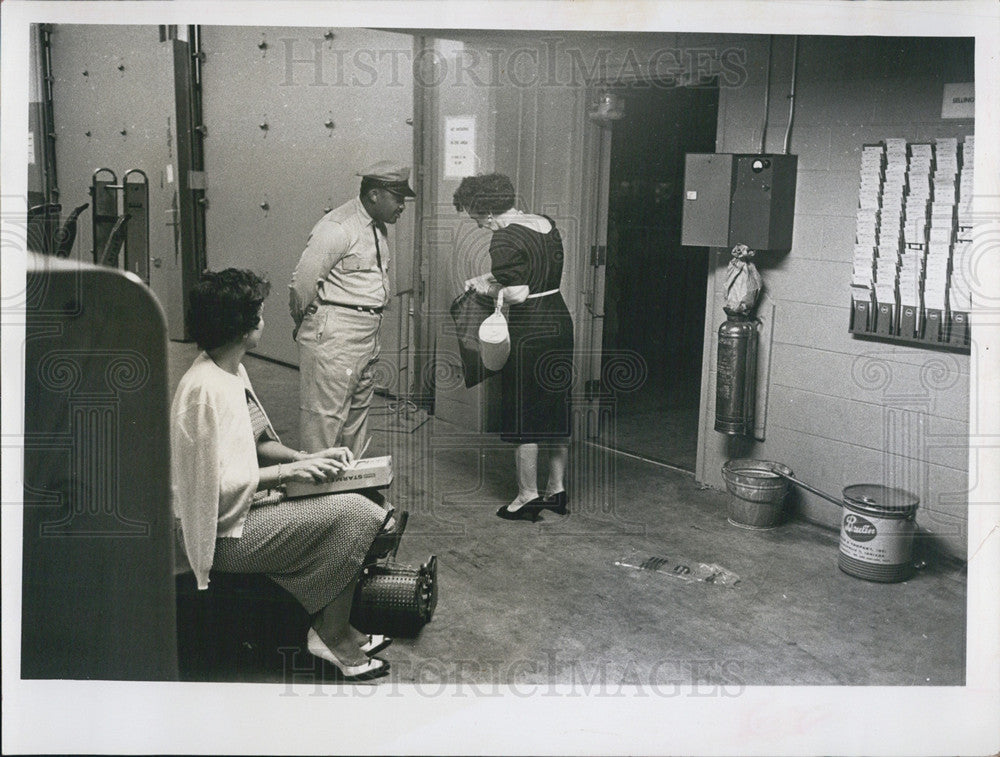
(525,603)
(659,422)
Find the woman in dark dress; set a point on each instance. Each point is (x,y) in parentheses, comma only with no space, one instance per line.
(526,256)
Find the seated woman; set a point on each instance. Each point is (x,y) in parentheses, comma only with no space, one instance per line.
(228,467)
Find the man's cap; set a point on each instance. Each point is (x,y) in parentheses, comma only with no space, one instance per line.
(391,176)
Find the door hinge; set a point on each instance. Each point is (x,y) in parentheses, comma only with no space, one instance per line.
(598,254)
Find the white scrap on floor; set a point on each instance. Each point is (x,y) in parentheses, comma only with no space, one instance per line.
(680,568)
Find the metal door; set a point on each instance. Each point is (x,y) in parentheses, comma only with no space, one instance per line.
(290,116)
(113,107)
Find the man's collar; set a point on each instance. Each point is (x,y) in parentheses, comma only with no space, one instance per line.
(360,206)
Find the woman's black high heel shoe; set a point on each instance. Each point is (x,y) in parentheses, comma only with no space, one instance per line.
(557,503)
(528,511)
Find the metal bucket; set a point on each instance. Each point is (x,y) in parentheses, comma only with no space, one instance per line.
(876,532)
(757,492)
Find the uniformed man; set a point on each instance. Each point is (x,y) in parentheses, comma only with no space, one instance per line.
(338,292)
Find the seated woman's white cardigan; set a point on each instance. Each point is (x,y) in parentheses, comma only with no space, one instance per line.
(213,463)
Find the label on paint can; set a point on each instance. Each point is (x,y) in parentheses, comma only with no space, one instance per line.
(883,541)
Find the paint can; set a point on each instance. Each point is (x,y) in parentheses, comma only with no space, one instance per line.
(876,532)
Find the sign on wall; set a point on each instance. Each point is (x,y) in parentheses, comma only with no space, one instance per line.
(959,101)
(459,146)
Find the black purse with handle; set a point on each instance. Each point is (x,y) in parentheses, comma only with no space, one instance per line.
(395,599)
(468,311)
(392,598)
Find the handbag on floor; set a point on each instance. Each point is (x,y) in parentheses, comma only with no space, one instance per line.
(395,599)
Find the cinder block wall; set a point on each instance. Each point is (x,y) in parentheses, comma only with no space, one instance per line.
(841,410)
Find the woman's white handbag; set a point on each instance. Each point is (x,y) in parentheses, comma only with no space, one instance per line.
(494,338)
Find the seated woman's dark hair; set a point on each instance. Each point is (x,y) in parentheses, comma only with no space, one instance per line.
(224,306)
(486,193)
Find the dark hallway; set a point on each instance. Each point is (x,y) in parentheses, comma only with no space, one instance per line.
(655,288)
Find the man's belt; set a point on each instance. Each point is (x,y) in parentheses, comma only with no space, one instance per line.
(360,308)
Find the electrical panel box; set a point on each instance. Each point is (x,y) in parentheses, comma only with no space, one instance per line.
(708,193)
(763,204)
(732,199)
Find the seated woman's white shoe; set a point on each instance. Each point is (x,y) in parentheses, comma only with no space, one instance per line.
(371,668)
(376,643)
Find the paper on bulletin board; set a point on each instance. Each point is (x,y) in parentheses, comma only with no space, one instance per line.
(459,146)
(959,101)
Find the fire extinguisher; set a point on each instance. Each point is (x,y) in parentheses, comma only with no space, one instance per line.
(736,387)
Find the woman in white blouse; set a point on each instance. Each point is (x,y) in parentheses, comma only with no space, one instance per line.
(228,468)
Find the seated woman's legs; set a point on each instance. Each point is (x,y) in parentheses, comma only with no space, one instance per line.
(332,623)
(313,547)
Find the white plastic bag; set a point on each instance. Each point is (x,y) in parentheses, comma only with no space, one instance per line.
(494,338)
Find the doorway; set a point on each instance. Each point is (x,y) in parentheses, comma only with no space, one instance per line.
(654,295)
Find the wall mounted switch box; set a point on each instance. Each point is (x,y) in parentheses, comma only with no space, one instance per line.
(708,193)
(763,206)
(732,199)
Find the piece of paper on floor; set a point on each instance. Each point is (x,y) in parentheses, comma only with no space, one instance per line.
(680,568)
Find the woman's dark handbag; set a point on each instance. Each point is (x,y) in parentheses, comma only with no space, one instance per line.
(469,310)
(395,599)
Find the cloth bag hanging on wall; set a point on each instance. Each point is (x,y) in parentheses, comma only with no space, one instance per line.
(743,282)
(468,311)
(494,338)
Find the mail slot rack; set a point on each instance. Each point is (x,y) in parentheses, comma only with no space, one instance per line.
(947,329)
(912,244)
